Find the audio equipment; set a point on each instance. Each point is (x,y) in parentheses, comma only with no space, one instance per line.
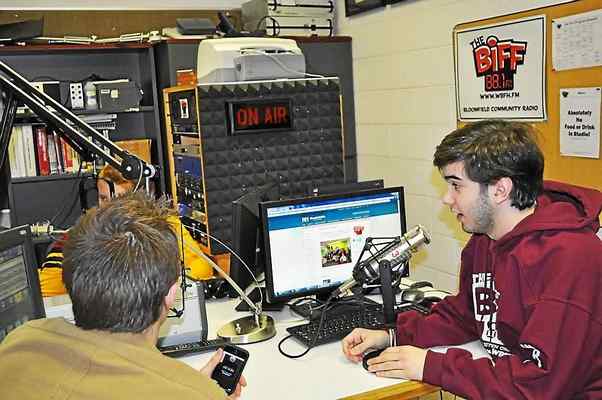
(397,252)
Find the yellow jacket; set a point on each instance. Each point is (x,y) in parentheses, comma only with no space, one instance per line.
(51,271)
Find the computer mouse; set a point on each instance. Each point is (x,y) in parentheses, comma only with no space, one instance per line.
(412,296)
(420,284)
(369,355)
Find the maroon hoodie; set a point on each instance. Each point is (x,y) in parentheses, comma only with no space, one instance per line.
(534,300)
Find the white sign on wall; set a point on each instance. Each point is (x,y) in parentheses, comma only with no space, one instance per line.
(501,70)
(580,122)
(577,41)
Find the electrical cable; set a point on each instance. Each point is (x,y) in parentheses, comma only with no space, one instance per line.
(280,63)
(265,17)
(313,341)
(65,203)
(231,251)
(140,176)
(434,290)
(328,305)
(178,313)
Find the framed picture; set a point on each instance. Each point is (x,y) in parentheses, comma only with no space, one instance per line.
(353,7)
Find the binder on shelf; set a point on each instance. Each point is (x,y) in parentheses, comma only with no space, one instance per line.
(16,153)
(42,150)
(58,152)
(67,157)
(29,150)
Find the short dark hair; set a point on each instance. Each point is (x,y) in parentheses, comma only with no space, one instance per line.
(494,149)
(120,261)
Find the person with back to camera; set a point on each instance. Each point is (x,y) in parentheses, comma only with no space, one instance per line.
(529,281)
(121,269)
(111,183)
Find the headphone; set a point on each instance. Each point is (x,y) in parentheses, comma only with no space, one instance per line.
(216,288)
(88,192)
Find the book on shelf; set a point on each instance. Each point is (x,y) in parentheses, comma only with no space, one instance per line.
(42,150)
(34,150)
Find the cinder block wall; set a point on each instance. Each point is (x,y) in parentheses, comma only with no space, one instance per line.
(405,104)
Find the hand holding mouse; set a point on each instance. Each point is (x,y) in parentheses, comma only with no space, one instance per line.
(405,362)
(360,340)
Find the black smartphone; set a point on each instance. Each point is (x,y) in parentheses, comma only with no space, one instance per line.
(228,371)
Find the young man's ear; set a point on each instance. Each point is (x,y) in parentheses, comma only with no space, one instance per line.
(170,299)
(500,190)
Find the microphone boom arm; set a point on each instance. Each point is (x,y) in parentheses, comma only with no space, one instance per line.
(256,308)
(64,121)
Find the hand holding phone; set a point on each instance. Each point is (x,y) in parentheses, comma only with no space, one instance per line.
(227,373)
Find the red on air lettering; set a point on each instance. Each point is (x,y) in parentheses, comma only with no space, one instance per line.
(247,116)
(267,116)
(281,114)
(275,115)
(259,115)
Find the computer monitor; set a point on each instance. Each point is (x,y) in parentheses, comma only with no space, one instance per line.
(348,187)
(247,240)
(20,294)
(311,244)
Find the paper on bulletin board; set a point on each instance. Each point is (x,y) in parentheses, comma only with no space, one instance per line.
(580,122)
(501,70)
(577,41)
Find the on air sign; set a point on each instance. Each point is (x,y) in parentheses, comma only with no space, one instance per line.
(259,115)
(500,71)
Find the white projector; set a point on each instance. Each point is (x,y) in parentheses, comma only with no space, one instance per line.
(248,58)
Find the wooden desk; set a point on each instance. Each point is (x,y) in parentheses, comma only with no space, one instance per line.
(407,390)
(323,373)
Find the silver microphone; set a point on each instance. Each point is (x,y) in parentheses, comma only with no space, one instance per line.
(398,252)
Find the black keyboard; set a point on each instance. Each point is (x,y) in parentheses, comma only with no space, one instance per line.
(337,325)
(201,346)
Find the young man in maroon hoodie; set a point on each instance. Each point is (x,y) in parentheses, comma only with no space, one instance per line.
(530,280)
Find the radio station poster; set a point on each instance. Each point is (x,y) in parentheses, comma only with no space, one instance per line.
(501,70)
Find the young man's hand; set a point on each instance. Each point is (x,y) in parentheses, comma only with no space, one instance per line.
(360,340)
(405,362)
(242,382)
(210,366)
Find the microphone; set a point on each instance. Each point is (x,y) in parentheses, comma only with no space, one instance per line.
(46,229)
(398,252)
(254,328)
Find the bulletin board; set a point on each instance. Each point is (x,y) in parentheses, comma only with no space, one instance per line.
(575,170)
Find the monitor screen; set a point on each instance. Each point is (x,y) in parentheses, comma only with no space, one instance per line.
(348,187)
(20,295)
(312,244)
(247,240)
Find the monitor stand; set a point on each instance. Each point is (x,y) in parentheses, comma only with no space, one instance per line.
(309,311)
(265,306)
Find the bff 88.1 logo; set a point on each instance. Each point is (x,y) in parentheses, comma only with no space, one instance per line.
(497,61)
